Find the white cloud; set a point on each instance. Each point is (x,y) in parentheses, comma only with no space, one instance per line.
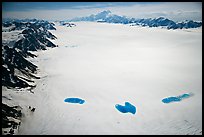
(174,10)
(50,14)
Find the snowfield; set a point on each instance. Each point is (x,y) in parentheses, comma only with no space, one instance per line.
(108,64)
(9,38)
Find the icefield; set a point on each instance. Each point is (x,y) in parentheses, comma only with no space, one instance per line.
(108,64)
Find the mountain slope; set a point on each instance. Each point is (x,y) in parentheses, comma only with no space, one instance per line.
(19,37)
(32,36)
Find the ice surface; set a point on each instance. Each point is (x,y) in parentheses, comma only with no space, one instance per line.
(74,100)
(116,62)
(72,46)
(127,108)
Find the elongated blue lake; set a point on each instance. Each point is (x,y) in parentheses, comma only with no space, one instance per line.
(176,98)
(128,108)
(74,100)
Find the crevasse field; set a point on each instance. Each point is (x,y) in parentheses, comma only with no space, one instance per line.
(109,64)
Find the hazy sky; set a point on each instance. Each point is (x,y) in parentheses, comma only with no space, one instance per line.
(176,11)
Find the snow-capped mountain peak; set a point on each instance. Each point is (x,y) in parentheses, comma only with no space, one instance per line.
(103,14)
(107,16)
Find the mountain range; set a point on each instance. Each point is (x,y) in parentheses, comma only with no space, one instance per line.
(19,38)
(107,16)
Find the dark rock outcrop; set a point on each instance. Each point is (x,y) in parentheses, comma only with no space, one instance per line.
(17,71)
(12,60)
(10,118)
(34,37)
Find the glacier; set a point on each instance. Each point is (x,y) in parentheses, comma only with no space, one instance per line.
(114,63)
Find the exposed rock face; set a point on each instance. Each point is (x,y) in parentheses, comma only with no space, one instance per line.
(11,60)
(21,24)
(34,36)
(34,39)
(10,118)
(67,24)
(17,70)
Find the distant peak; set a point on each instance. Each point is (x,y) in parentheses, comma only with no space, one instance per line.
(106,12)
(160,18)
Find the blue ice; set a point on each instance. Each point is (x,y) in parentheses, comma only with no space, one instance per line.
(74,100)
(176,99)
(127,108)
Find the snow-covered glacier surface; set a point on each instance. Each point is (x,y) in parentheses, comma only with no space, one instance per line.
(116,63)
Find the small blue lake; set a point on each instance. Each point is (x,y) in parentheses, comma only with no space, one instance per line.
(176,98)
(74,100)
(128,108)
